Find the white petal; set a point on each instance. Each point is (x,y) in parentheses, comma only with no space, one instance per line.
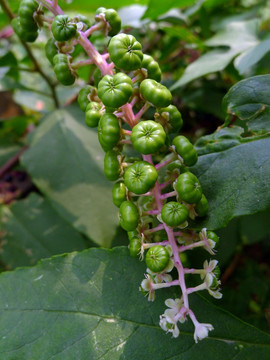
(209,279)
(167,278)
(170,313)
(201,331)
(212,265)
(170,266)
(170,303)
(146,284)
(163,323)
(175,332)
(205,264)
(215,294)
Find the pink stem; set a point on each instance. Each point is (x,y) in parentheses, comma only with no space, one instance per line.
(129,115)
(165,285)
(94,55)
(152,212)
(168,195)
(94,28)
(201,287)
(52,6)
(164,163)
(178,233)
(193,317)
(105,56)
(81,63)
(161,243)
(191,246)
(133,101)
(157,228)
(194,271)
(164,185)
(139,114)
(178,265)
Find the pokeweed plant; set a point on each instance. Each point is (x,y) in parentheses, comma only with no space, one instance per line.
(158,196)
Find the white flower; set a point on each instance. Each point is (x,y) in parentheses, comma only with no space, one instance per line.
(201,331)
(146,286)
(211,281)
(209,244)
(174,307)
(167,324)
(209,268)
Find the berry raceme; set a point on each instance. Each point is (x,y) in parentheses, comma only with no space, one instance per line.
(155,207)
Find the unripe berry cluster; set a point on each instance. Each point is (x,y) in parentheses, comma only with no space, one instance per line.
(155,191)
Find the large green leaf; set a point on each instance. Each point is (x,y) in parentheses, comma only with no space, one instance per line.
(237,36)
(220,140)
(65,161)
(157,7)
(87,306)
(131,15)
(235,181)
(212,61)
(34,230)
(251,56)
(249,101)
(254,228)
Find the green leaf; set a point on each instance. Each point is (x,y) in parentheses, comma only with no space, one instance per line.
(34,230)
(249,101)
(206,98)
(251,56)
(65,161)
(237,37)
(34,100)
(131,15)
(220,140)
(3,71)
(255,227)
(235,181)
(87,306)
(157,7)
(184,34)
(212,61)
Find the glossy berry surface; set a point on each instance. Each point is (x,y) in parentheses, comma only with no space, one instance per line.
(148,137)
(129,216)
(157,258)
(155,93)
(174,213)
(140,177)
(126,52)
(189,188)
